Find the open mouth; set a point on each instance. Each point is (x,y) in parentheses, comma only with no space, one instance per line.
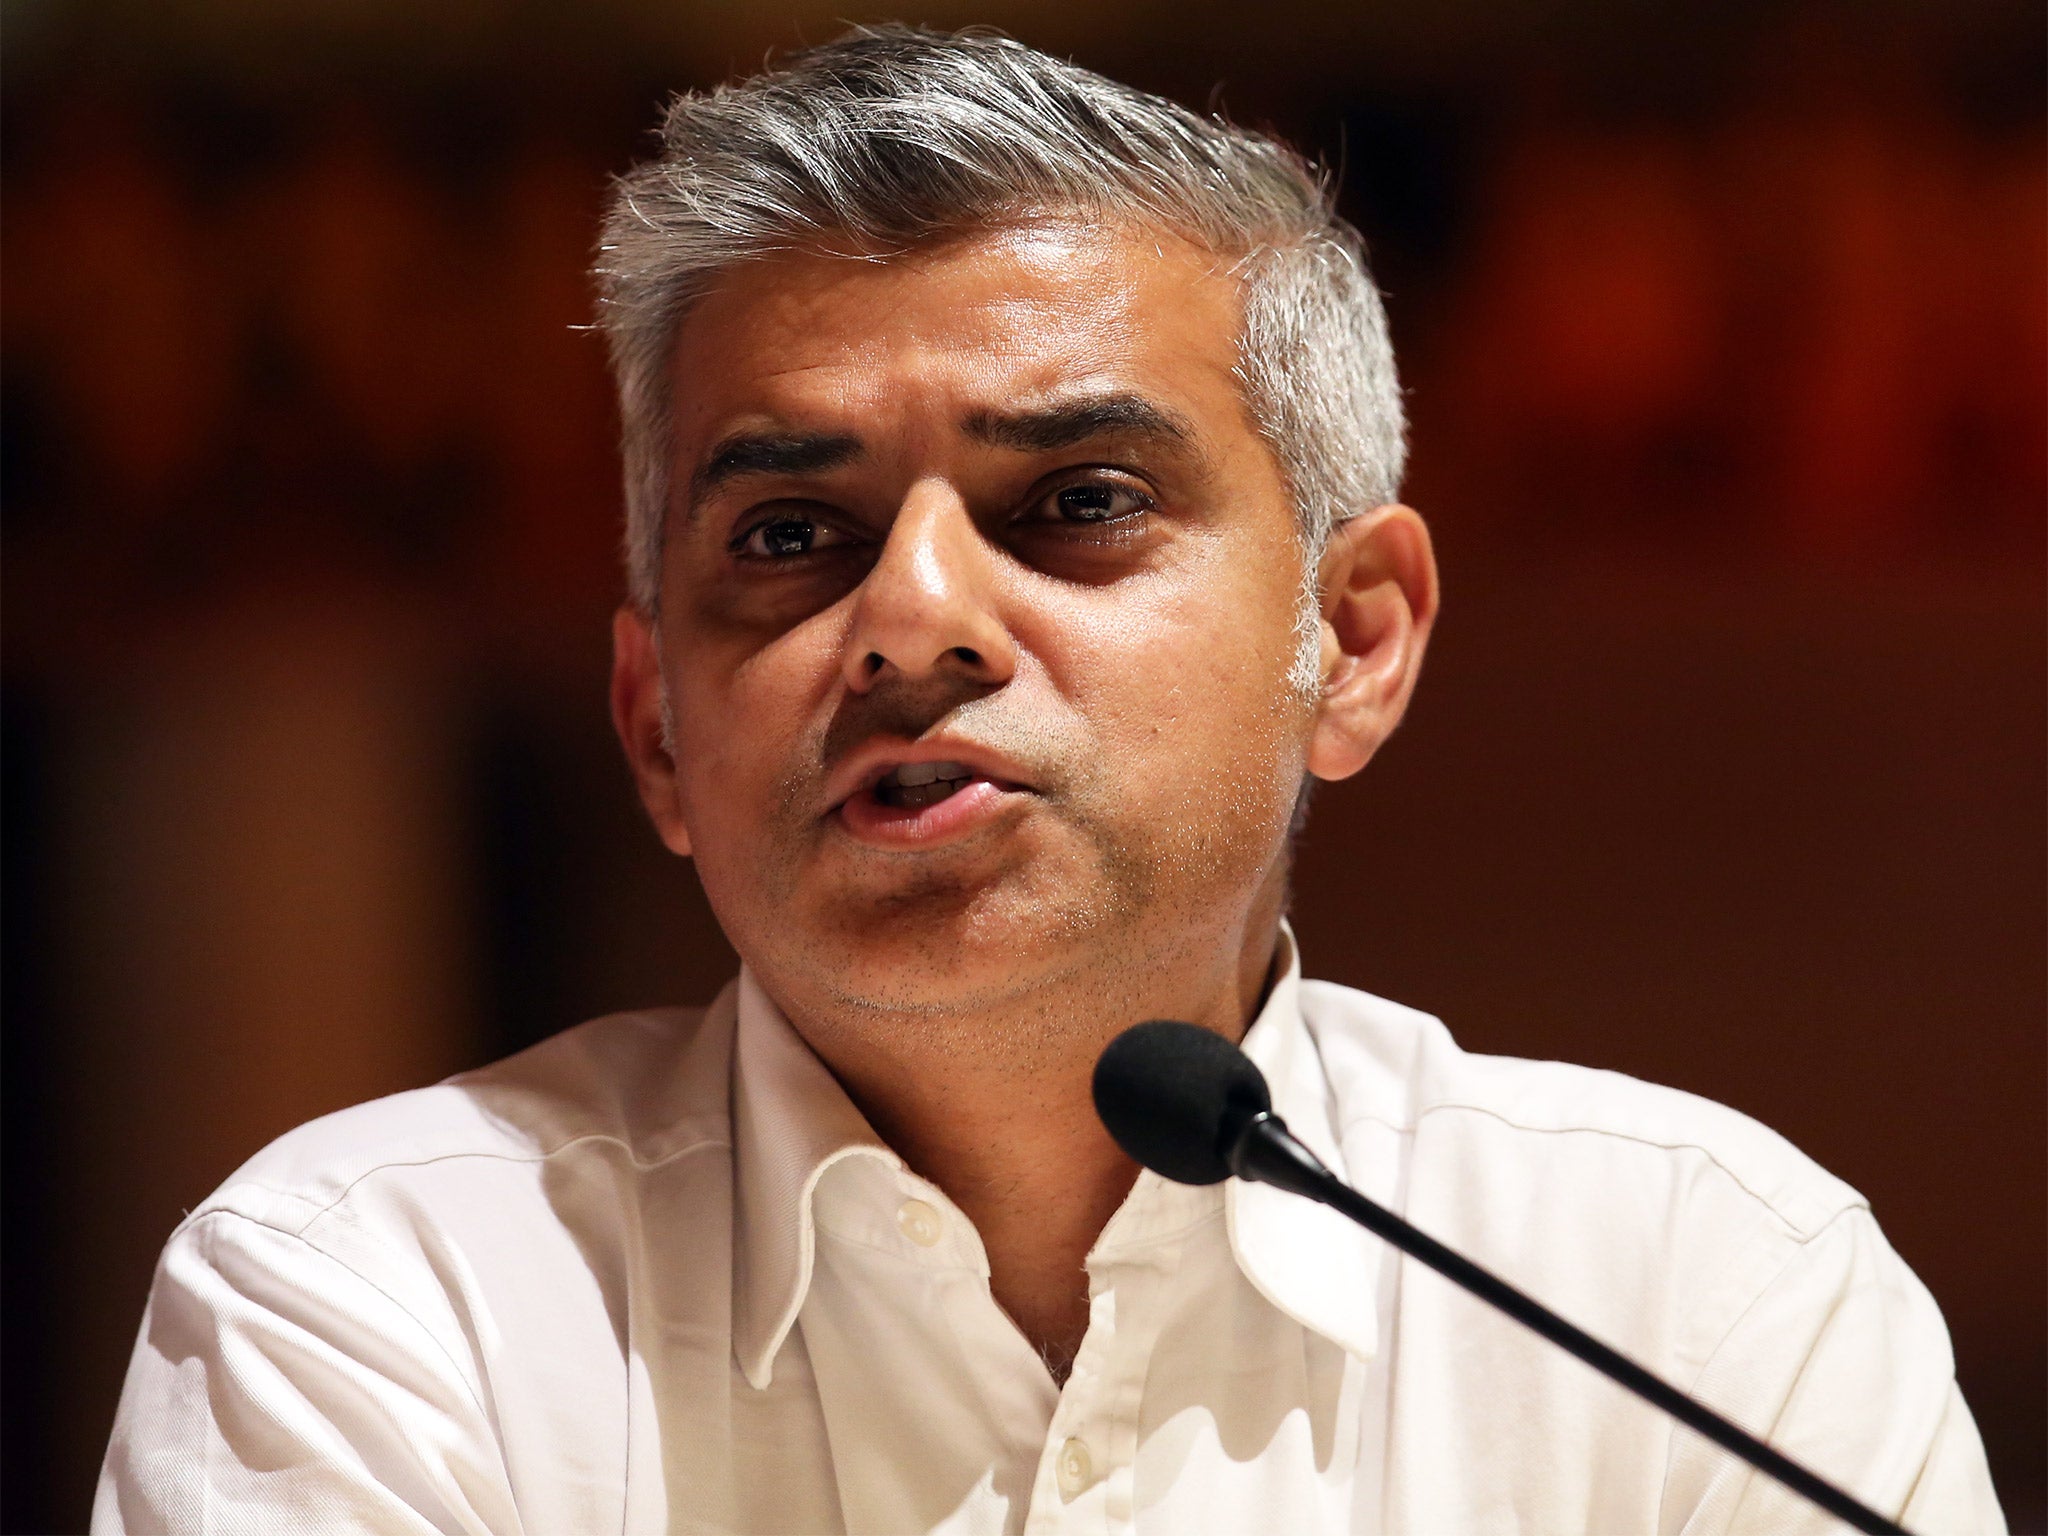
(912,786)
(913,806)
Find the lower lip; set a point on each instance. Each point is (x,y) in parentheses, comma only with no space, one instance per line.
(968,809)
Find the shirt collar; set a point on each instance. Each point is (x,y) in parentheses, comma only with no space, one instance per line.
(792,1122)
(1313,1264)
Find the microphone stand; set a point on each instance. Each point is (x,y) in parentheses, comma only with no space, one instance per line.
(1265,1151)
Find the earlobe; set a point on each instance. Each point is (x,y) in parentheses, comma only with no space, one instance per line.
(637,716)
(1379,601)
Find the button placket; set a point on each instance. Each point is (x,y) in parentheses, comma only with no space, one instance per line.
(1079,1439)
(1085,1472)
(1133,1288)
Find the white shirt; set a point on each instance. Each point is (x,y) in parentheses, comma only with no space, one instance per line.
(657,1274)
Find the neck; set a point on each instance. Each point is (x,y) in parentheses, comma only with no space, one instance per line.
(996,1108)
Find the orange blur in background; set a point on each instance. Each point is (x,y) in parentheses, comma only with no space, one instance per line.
(1725,336)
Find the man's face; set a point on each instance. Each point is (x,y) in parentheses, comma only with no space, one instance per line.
(995,513)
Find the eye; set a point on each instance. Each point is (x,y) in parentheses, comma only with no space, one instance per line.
(786,535)
(1090,501)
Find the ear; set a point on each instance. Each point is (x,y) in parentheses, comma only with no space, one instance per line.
(1379,597)
(636,716)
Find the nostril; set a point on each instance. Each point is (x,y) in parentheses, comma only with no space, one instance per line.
(874,663)
(967,654)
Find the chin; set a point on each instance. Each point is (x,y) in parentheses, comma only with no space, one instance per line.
(947,949)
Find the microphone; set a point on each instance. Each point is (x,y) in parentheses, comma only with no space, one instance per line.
(1186,1103)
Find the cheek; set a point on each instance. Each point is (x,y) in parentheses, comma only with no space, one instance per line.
(1198,728)
(744,722)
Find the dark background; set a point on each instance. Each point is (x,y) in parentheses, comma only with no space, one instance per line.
(1724,331)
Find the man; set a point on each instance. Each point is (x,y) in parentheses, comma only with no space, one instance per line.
(1012,463)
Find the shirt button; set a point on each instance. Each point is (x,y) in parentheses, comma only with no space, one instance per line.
(1076,1468)
(920,1223)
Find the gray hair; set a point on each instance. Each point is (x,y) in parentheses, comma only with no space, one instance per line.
(894,137)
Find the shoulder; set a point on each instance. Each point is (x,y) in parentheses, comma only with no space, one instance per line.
(643,1087)
(1654,1217)
(416,1281)
(1532,1120)
(1700,1243)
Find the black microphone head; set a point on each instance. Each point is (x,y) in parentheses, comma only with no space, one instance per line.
(1173,1095)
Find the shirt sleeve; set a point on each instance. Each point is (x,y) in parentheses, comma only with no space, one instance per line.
(1843,1363)
(275,1390)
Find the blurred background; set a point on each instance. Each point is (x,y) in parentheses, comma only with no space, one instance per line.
(1723,326)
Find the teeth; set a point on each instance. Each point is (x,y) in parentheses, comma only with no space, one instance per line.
(913,785)
(910,775)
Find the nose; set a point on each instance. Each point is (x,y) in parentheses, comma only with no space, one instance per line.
(927,606)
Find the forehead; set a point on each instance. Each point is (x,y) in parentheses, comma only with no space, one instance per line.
(988,322)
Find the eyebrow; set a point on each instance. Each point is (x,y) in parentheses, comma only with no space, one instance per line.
(771,453)
(1062,426)
(1043,430)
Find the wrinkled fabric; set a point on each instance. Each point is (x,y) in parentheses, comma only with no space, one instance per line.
(658,1275)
